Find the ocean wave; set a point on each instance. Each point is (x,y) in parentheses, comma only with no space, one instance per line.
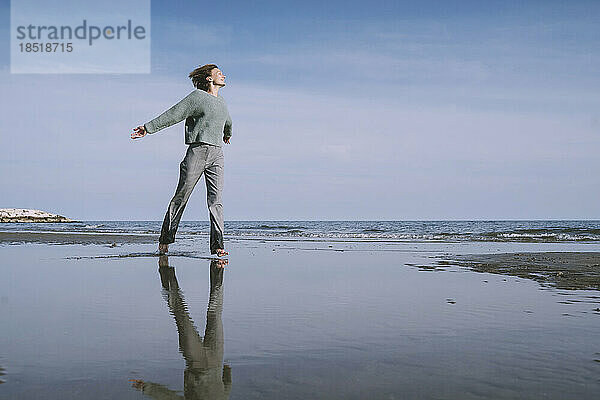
(341,235)
(554,234)
(93,226)
(441,236)
(293,227)
(450,231)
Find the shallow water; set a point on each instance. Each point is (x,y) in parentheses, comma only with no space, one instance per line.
(299,320)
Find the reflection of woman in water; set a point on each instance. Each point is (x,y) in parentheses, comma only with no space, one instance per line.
(205,376)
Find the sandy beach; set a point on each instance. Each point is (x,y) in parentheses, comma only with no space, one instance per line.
(73,238)
(563,270)
(295,319)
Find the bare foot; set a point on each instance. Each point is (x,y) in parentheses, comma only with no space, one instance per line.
(163,248)
(221,253)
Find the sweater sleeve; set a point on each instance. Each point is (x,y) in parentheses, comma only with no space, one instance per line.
(180,111)
(227,129)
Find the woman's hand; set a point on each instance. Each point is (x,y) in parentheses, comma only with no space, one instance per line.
(139,132)
(137,383)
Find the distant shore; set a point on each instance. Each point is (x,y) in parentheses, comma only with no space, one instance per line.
(9,215)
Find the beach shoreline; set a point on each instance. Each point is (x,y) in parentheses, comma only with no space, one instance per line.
(567,269)
(563,270)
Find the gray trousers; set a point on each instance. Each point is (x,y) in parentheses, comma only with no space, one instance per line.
(199,159)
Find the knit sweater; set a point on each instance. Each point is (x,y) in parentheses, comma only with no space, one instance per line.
(206,118)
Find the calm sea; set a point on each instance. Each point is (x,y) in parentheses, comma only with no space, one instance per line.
(404,231)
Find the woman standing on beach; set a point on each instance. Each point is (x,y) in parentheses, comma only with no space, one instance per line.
(207,121)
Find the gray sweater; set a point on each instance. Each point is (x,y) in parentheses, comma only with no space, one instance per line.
(206,118)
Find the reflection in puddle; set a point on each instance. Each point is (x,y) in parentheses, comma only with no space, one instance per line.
(205,375)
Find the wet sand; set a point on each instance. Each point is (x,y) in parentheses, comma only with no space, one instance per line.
(294,320)
(563,270)
(74,238)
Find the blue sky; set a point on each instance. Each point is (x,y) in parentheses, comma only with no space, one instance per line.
(341,110)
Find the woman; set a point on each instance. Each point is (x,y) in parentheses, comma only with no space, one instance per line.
(207,121)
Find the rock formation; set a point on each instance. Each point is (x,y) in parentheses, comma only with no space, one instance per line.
(23,215)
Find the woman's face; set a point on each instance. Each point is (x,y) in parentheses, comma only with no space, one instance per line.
(218,77)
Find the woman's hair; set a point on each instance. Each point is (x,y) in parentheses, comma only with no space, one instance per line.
(199,75)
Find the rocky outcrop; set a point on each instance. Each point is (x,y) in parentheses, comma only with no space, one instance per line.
(23,215)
